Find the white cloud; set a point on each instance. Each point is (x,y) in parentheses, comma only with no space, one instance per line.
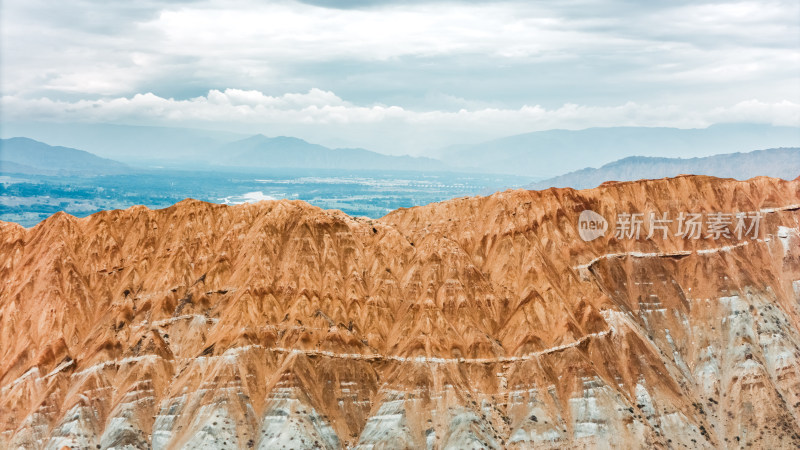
(303,32)
(783,113)
(409,75)
(257,45)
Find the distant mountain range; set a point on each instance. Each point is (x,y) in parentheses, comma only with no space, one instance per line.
(289,152)
(777,162)
(27,156)
(537,155)
(131,144)
(560,156)
(188,148)
(554,152)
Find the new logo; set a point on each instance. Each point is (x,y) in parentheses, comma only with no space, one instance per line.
(591,225)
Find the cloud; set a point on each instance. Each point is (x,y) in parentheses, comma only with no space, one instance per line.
(168,47)
(783,113)
(401,76)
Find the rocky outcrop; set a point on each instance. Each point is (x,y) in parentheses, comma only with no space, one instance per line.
(482,322)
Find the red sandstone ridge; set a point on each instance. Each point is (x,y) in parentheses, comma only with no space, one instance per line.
(480,322)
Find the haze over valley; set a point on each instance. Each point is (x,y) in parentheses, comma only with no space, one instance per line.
(39,179)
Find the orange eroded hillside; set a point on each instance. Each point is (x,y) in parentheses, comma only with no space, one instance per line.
(482,322)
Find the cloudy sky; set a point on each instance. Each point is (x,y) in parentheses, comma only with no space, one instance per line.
(400,77)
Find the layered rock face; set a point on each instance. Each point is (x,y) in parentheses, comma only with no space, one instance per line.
(482,322)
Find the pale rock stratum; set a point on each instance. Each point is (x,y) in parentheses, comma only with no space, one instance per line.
(479,322)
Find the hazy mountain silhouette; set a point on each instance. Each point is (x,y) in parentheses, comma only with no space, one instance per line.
(290,152)
(131,144)
(777,162)
(554,152)
(24,155)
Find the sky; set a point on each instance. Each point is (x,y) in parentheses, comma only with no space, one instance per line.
(400,77)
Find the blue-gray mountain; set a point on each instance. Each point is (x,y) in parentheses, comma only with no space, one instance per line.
(777,162)
(550,153)
(289,152)
(132,144)
(27,156)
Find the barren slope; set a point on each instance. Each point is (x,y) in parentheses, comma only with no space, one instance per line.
(477,322)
